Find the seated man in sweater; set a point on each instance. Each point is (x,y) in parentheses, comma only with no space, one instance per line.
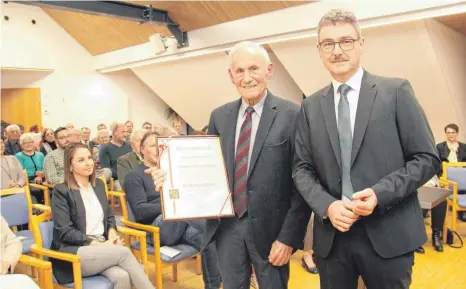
(112,151)
(131,160)
(145,204)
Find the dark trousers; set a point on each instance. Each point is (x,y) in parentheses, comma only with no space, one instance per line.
(237,254)
(352,255)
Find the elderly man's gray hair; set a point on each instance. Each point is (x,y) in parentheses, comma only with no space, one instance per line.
(12,127)
(244,45)
(27,137)
(335,16)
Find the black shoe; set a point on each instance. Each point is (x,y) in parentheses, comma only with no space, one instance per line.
(437,240)
(420,250)
(312,270)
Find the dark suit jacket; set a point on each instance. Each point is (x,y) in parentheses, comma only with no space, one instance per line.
(444,152)
(69,220)
(125,164)
(12,148)
(393,153)
(275,209)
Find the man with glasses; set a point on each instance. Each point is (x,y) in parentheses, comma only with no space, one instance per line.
(363,146)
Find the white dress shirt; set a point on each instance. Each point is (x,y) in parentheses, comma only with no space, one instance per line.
(94,212)
(353,95)
(256,116)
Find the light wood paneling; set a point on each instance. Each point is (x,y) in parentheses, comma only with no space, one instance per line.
(22,106)
(456,22)
(100,34)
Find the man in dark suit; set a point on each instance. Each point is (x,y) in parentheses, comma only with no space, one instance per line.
(363,147)
(12,146)
(131,160)
(257,133)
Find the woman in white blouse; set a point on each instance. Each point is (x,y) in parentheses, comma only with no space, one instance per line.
(84,225)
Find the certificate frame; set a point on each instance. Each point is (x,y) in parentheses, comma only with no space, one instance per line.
(170,195)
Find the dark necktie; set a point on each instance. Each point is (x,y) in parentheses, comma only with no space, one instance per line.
(346,140)
(241,165)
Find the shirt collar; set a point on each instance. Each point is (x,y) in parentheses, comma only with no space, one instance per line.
(258,107)
(354,82)
(89,186)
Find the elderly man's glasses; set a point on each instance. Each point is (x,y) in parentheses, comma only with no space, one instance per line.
(345,45)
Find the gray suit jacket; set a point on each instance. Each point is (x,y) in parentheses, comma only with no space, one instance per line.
(275,209)
(125,164)
(393,153)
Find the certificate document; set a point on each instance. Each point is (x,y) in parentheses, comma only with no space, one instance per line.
(196,184)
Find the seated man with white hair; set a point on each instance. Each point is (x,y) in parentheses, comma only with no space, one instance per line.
(112,151)
(12,146)
(74,135)
(131,160)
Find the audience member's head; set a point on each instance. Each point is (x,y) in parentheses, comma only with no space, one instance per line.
(250,70)
(101,126)
(168,132)
(27,141)
(103,136)
(129,126)
(118,132)
(158,128)
(86,134)
(150,149)
(61,137)
(177,126)
(147,126)
(74,135)
(452,130)
(21,128)
(70,126)
(13,132)
(47,135)
(78,165)
(135,140)
(35,129)
(340,43)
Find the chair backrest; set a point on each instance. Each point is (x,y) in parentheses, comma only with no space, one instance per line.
(126,208)
(15,209)
(42,229)
(458,175)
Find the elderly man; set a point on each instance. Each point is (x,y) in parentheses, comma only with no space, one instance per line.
(12,146)
(256,133)
(363,147)
(112,151)
(86,136)
(74,135)
(132,159)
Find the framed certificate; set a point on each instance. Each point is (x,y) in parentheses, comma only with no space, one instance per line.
(196,184)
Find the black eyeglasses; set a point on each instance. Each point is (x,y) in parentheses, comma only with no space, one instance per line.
(345,45)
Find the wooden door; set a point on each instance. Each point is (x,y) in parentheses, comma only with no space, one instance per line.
(22,106)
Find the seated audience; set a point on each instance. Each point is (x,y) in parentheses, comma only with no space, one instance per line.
(110,152)
(101,126)
(87,227)
(11,172)
(21,128)
(12,147)
(48,142)
(11,248)
(129,128)
(145,203)
(86,135)
(158,129)
(147,126)
(53,163)
(70,126)
(168,132)
(129,161)
(74,135)
(178,127)
(103,137)
(452,151)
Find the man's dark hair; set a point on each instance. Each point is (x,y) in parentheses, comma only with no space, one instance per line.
(59,130)
(453,127)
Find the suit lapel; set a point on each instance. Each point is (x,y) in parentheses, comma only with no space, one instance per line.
(327,104)
(80,210)
(363,113)
(229,140)
(268,115)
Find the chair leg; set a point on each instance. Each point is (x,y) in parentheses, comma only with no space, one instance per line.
(175,272)
(445,226)
(453,218)
(198,264)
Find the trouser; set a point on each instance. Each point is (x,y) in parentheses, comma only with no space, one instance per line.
(117,263)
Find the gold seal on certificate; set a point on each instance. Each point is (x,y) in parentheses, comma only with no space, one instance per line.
(196,186)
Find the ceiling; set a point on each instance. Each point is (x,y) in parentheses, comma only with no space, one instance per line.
(456,22)
(100,34)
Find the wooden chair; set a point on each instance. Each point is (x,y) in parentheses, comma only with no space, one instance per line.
(43,268)
(187,252)
(454,177)
(44,189)
(42,227)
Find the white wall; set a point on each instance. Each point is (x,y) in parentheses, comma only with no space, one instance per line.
(74,91)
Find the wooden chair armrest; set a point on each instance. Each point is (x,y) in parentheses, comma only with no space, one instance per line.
(45,184)
(114,194)
(147,228)
(40,187)
(55,254)
(38,263)
(41,207)
(11,191)
(131,232)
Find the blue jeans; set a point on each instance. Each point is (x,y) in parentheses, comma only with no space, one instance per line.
(190,233)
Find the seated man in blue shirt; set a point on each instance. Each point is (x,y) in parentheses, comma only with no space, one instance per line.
(145,203)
